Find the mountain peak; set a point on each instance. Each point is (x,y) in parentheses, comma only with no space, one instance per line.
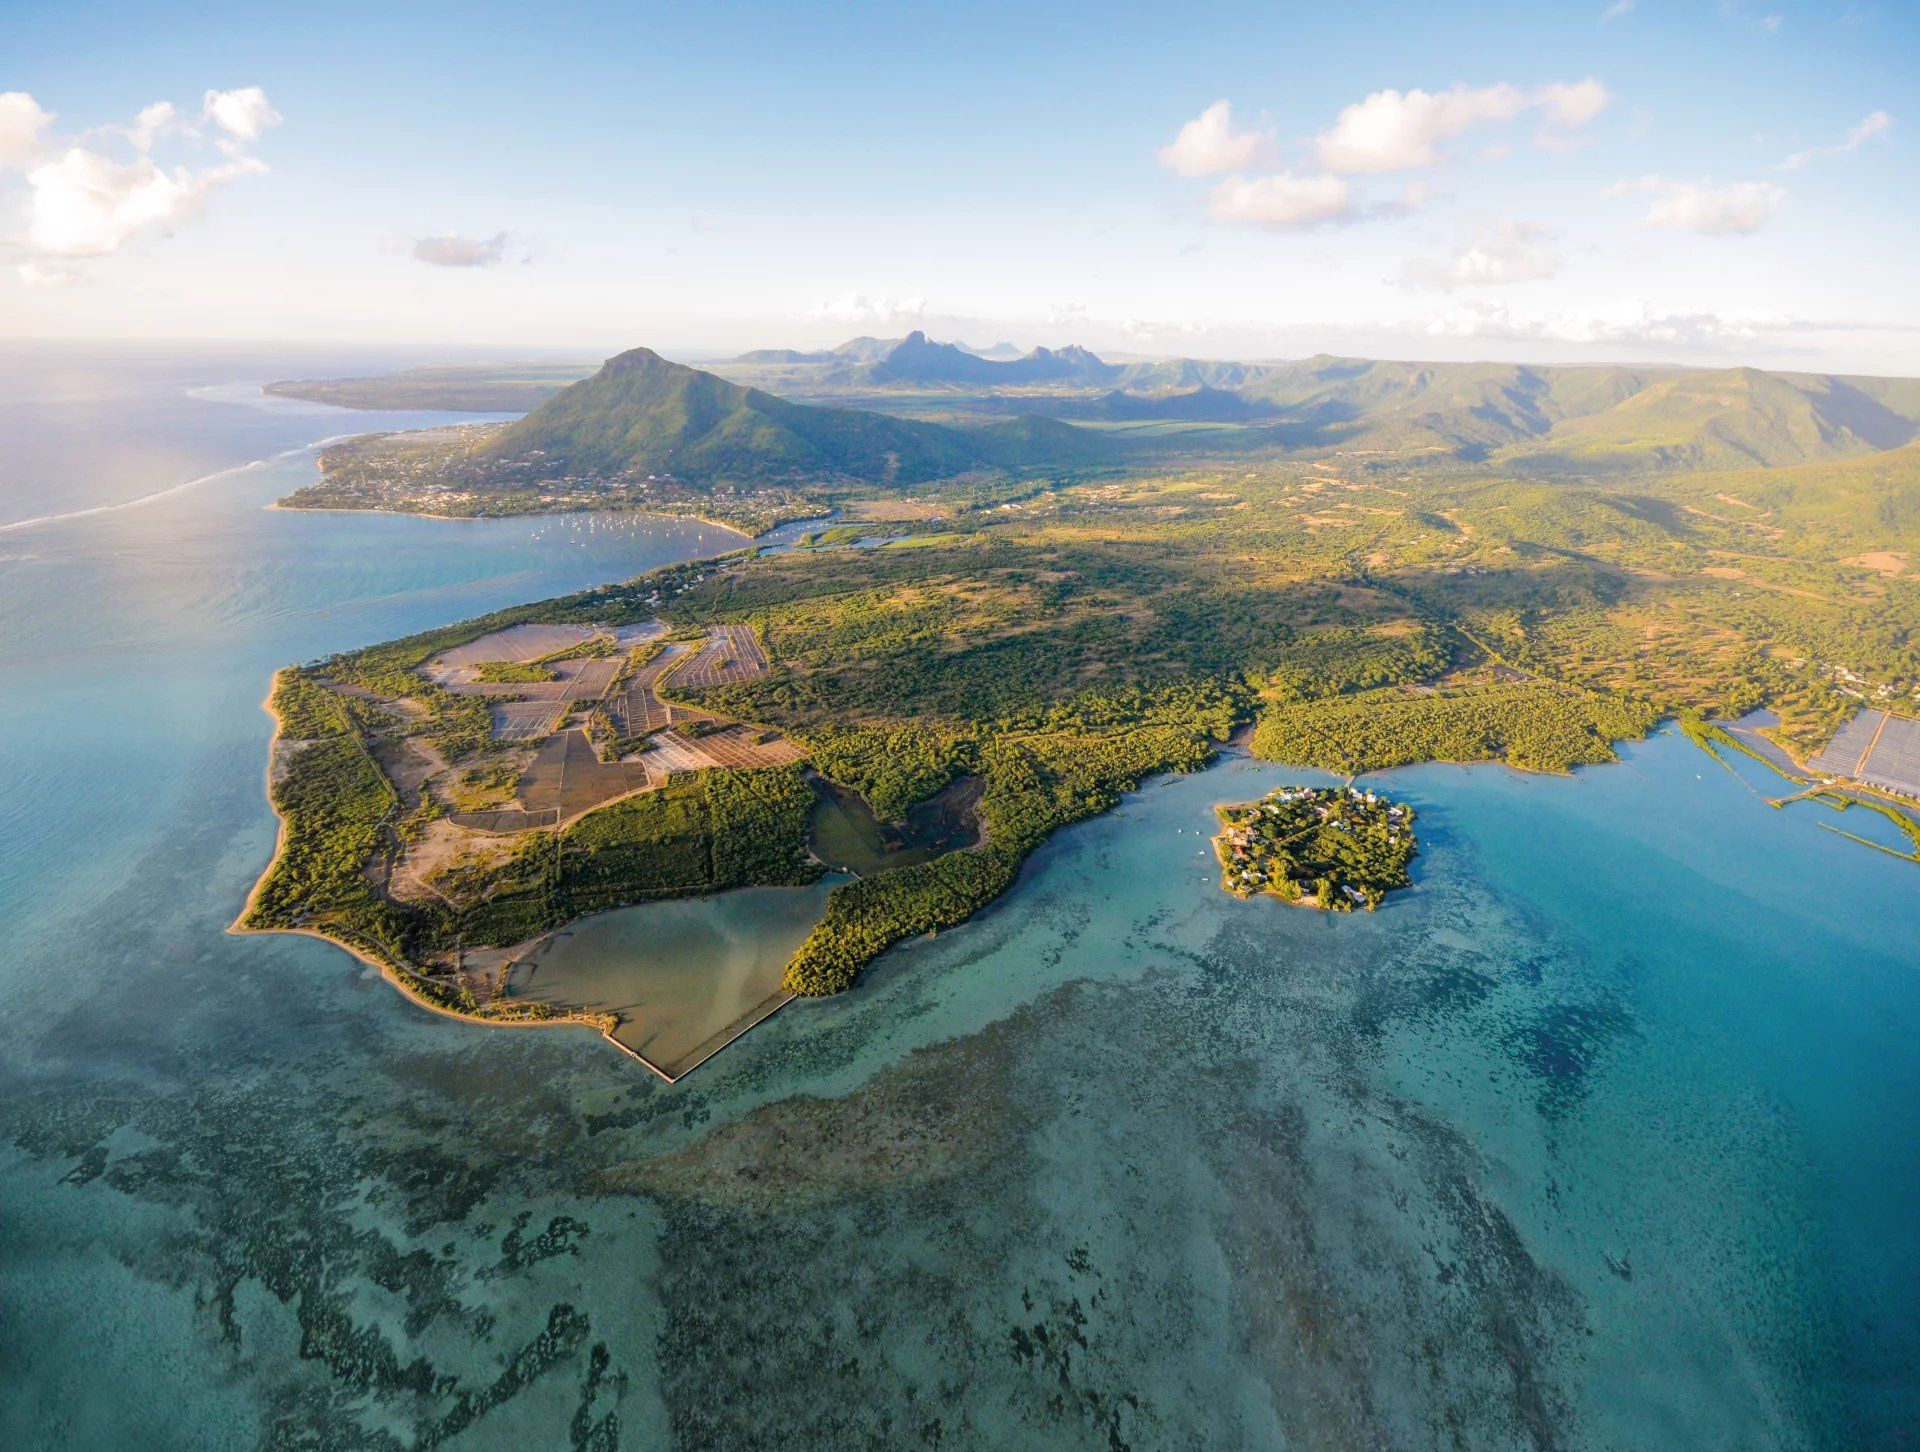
(635,359)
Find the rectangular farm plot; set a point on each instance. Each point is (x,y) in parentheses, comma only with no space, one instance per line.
(671,752)
(747,747)
(739,747)
(589,679)
(525,720)
(730,654)
(1878,748)
(568,777)
(639,709)
(506,819)
(516,643)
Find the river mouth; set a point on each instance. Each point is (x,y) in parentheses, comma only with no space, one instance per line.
(685,977)
(844,833)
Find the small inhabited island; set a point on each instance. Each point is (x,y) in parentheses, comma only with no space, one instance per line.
(1332,848)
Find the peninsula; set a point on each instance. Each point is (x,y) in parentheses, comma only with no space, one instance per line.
(1046,579)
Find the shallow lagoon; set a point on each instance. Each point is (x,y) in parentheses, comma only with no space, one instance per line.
(1605,1134)
(682,975)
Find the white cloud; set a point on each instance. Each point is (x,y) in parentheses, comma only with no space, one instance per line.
(81,202)
(242,114)
(84,204)
(1208,145)
(1500,253)
(21,122)
(1571,104)
(1283,202)
(453,250)
(1617,9)
(860,307)
(1729,211)
(47,274)
(151,124)
(1400,130)
(1875,124)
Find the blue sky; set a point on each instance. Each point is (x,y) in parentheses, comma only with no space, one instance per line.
(1702,182)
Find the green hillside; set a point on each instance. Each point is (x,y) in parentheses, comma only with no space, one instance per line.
(1593,419)
(1728,418)
(642,414)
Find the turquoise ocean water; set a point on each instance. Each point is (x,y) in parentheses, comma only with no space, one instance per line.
(1606,1135)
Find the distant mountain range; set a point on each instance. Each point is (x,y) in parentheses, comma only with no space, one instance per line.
(1595,419)
(867,350)
(640,411)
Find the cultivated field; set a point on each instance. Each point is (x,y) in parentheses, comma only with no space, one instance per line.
(1878,748)
(638,710)
(518,643)
(731,654)
(734,746)
(566,777)
(525,720)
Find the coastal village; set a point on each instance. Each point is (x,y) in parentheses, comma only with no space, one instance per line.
(1332,848)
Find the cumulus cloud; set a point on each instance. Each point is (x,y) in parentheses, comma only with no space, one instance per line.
(1208,145)
(452,250)
(21,122)
(81,202)
(1500,253)
(243,114)
(1572,104)
(1283,202)
(860,307)
(1728,211)
(1875,124)
(152,122)
(1401,130)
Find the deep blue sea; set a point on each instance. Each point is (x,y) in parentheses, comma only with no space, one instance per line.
(1605,1135)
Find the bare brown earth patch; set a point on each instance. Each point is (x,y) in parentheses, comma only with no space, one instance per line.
(1884,562)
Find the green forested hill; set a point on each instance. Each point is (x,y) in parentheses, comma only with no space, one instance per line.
(1592,419)
(640,413)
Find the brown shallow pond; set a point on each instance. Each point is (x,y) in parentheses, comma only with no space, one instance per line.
(684,976)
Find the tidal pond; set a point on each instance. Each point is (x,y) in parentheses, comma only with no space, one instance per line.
(685,977)
(844,832)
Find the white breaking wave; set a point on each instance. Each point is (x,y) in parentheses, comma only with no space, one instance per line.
(173,489)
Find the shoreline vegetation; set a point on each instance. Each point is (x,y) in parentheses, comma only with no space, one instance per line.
(1329,848)
(410,984)
(1045,628)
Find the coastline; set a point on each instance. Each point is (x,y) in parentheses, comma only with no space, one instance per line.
(529,514)
(392,973)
